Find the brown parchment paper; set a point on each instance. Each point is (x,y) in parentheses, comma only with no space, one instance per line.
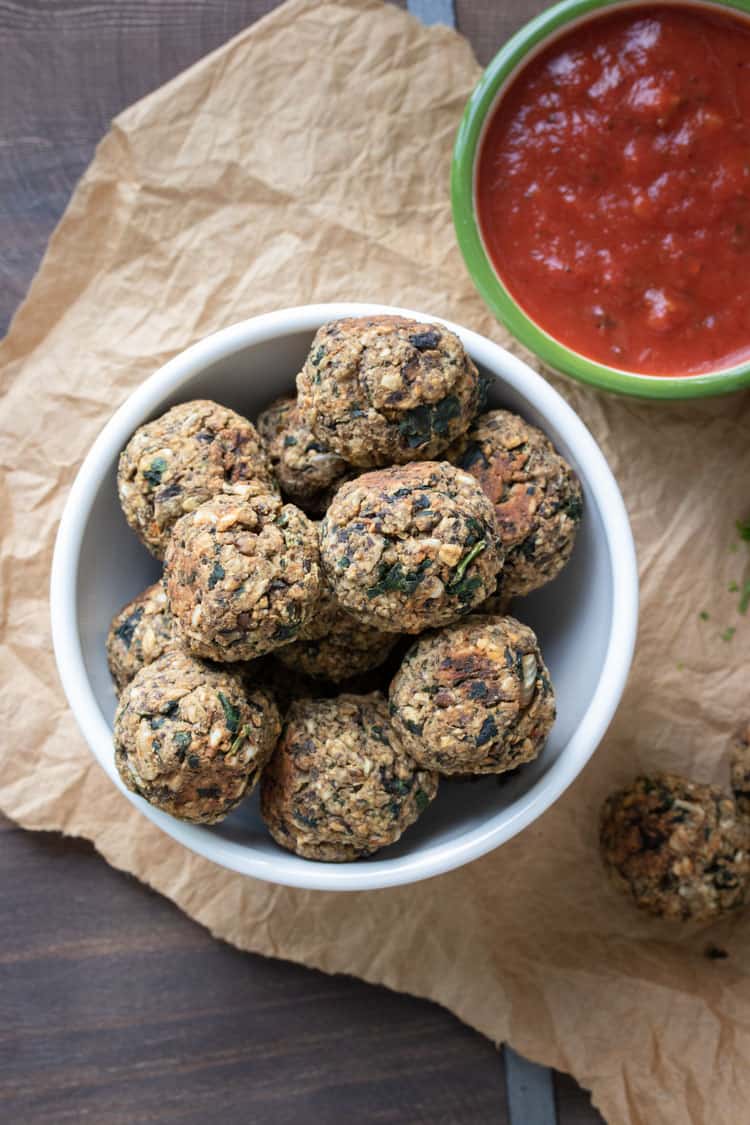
(307,160)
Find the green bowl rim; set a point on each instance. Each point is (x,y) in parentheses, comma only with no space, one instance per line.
(496,296)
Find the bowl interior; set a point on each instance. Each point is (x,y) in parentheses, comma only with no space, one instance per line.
(572,616)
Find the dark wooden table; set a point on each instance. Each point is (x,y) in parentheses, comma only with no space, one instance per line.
(115,1007)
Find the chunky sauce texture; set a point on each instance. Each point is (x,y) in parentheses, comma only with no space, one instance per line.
(613,190)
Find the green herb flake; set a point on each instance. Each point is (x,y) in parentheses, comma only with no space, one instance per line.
(419,424)
(680,665)
(728,633)
(244,734)
(421,800)
(153,473)
(476,530)
(396,578)
(573,509)
(465,589)
(216,575)
(704,615)
(744,601)
(126,631)
(465,562)
(231,714)
(425,341)
(488,731)
(443,412)
(733,587)
(474,453)
(743,529)
(286,632)
(415,426)
(397,787)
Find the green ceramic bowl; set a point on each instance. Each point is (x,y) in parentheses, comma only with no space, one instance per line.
(517,51)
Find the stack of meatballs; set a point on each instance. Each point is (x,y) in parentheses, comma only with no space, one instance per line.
(301,560)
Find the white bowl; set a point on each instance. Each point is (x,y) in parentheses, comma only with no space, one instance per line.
(586,619)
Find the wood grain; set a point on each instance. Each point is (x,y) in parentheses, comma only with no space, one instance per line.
(115,1007)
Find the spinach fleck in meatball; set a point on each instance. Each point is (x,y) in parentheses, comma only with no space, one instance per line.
(306,469)
(411,547)
(139,634)
(242,575)
(385,390)
(473,698)
(172,465)
(337,787)
(190,739)
(676,847)
(333,645)
(537,496)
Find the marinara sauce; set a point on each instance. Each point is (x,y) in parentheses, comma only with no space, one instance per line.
(613,190)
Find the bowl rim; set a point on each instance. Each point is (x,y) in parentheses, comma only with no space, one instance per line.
(533,37)
(285,868)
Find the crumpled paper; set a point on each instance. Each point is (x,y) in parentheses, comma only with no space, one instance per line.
(307,160)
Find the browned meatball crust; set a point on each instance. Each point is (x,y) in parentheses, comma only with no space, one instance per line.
(139,634)
(676,847)
(385,390)
(191,739)
(338,787)
(307,470)
(333,645)
(412,547)
(537,496)
(473,698)
(172,465)
(242,576)
(739,750)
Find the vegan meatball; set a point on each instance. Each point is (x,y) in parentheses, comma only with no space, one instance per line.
(385,390)
(537,496)
(338,787)
(411,547)
(306,469)
(739,750)
(242,575)
(172,465)
(473,698)
(333,645)
(139,634)
(676,847)
(191,739)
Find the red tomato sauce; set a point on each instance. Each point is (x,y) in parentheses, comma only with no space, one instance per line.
(613,190)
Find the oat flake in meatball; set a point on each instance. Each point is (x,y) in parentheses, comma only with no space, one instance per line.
(242,575)
(337,787)
(473,698)
(139,634)
(172,465)
(385,390)
(333,645)
(537,496)
(191,739)
(306,469)
(412,547)
(676,847)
